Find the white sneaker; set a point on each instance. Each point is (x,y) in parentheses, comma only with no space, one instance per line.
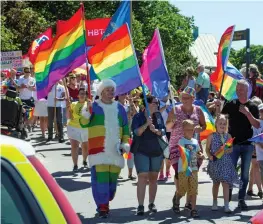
(214,207)
(227,210)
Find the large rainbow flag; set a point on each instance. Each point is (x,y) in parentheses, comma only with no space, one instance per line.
(185,157)
(232,75)
(66,53)
(153,69)
(114,58)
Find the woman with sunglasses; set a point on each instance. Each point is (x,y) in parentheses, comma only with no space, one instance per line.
(148,154)
(73,87)
(184,111)
(76,134)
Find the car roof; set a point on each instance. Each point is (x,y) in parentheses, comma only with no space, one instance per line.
(25,147)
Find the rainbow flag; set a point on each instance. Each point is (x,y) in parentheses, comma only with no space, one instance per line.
(29,113)
(209,120)
(153,69)
(223,65)
(220,152)
(114,58)
(257,138)
(185,157)
(259,82)
(66,53)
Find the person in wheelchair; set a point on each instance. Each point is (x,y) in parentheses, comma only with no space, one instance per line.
(12,112)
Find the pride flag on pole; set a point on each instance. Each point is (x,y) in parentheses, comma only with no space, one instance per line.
(114,58)
(153,69)
(66,53)
(223,66)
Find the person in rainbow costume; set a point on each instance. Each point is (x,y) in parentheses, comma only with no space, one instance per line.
(109,133)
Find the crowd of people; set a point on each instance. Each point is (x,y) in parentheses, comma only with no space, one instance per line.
(107,126)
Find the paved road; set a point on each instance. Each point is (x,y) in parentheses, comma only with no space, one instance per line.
(57,159)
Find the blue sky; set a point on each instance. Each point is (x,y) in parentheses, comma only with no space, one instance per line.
(215,16)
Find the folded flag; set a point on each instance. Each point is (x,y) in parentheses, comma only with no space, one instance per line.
(220,152)
(209,120)
(153,69)
(259,82)
(114,58)
(257,138)
(66,53)
(185,157)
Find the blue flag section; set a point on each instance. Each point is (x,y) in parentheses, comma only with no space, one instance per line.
(120,17)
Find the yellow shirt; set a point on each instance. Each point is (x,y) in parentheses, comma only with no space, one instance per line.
(76,108)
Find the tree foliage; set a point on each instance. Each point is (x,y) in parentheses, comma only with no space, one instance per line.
(22,22)
(238,58)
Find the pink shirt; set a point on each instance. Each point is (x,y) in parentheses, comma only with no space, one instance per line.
(177,130)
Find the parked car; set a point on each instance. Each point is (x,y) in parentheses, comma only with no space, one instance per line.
(29,194)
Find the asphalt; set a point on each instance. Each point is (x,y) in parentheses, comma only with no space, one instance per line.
(56,158)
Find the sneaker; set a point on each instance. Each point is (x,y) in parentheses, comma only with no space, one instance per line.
(260,194)
(140,210)
(227,210)
(194,214)
(250,193)
(242,204)
(152,208)
(85,164)
(168,175)
(103,214)
(61,140)
(214,207)
(75,169)
(132,177)
(161,177)
(188,206)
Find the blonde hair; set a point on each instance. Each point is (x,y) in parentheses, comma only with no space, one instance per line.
(225,117)
(188,122)
(256,100)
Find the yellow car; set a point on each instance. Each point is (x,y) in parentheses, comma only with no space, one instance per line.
(29,194)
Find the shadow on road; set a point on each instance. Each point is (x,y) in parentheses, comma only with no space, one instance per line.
(127,215)
(51,149)
(70,184)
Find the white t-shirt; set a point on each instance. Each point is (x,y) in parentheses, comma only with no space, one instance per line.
(259,150)
(194,148)
(51,96)
(26,94)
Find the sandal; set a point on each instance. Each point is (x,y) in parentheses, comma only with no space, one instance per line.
(194,214)
(176,208)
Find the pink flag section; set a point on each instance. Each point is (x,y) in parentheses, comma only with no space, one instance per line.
(153,69)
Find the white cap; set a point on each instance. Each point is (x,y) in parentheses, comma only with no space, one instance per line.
(105,83)
(260,106)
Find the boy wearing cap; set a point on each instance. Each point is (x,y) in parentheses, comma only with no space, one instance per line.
(108,138)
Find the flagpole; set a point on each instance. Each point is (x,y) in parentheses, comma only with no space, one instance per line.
(87,64)
(131,14)
(143,88)
(163,57)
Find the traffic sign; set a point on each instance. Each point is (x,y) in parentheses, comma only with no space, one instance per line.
(239,35)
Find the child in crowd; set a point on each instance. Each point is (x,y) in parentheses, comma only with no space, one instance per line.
(221,169)
(188,183)
(259,146)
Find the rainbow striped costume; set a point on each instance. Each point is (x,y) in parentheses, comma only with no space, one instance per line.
(108,131)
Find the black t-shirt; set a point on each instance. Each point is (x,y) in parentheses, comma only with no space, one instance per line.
(239,125)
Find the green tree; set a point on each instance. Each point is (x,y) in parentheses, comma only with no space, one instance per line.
(238,57)
(23,21)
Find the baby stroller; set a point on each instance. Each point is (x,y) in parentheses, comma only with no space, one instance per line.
(12,121)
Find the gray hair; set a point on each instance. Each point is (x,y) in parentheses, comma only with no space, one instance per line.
(201,67)
(256,100)
(243,71)
(243,82)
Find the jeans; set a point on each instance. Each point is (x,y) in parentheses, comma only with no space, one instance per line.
(51,113)
(145,164)
(203,95)
(245,152)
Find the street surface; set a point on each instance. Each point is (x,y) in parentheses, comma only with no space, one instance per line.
(57,159)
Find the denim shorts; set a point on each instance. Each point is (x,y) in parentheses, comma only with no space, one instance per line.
(145,164)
